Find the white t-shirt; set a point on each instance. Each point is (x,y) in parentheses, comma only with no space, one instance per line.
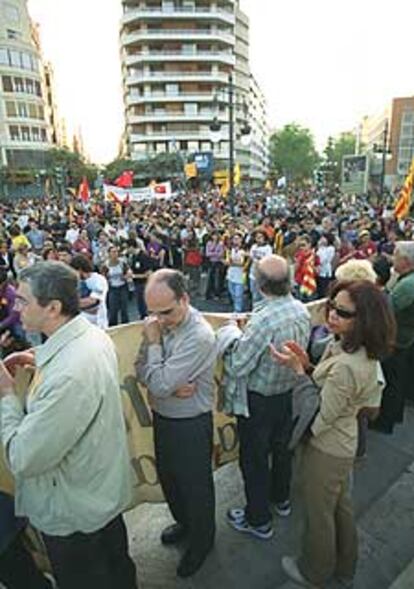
(98,286)
(236,273)
(326,254)
(257,253)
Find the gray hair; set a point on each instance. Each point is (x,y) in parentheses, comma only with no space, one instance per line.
(53,281)
(274,286)
(406,250)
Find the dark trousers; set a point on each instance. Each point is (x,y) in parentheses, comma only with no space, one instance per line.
(117,303)
(214,280)
(139,294)
(99,559)
(397,371)
(263,435)
(183,452)
(18,569)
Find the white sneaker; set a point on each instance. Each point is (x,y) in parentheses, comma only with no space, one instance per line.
(290,566)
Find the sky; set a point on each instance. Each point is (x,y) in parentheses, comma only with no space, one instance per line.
(321,63)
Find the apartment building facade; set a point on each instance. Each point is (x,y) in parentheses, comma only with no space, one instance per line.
(26,127)
(177,58)
(394,128)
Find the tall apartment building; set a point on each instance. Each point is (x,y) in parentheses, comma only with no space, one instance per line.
(25,127)
(177,56)
(398,119)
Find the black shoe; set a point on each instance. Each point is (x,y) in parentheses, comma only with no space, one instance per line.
(190,563)
(173,534)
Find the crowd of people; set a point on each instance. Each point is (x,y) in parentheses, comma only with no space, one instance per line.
(66,274)
(196,233)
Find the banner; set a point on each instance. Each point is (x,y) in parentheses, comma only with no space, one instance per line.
(116,194)
(355,170)
(138,416)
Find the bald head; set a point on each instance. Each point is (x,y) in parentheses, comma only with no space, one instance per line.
(166,278)
(273,276)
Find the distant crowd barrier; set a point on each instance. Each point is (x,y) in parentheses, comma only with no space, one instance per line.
(138,416)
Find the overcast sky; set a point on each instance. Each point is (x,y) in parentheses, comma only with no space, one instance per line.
(321,63)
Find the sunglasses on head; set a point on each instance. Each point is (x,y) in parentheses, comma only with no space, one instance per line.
(342,313)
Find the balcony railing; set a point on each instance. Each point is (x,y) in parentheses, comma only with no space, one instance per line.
(176,76)
(149,56)
(170,135)
(166,97)
(174,116)
(152,34)
(134,13)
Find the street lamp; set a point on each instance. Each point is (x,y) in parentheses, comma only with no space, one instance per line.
(215,135)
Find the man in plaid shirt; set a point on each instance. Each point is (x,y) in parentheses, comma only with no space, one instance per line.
(276,319)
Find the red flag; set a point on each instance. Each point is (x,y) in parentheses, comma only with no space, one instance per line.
(84,192)
(125,180)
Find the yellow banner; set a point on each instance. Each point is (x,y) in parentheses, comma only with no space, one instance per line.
(138,416)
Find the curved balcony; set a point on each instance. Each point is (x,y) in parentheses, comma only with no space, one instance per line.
(156,97)
(201,117)
(176,76)
(170,136)
(177,34)
(178,56)
(139,14)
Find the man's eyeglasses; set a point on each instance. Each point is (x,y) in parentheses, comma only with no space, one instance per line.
(342,313)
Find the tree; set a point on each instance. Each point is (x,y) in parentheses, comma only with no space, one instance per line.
(293,153)
(73,164)
(163,166)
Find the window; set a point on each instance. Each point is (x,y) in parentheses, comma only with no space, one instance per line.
(30,87)
(18,85)
(7,84)
(43,135)
(172,89)
(11,12)
(14,58)
(38,90)
(22,110)
(189,48)
(40,112)
(26,61)
(191,108)
(32,110)
(34,63)
(36,134)
(13,35)
(25,131)
(14,133)
(4,56)
(11,110)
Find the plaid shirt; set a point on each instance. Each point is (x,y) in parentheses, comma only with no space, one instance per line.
(274,320)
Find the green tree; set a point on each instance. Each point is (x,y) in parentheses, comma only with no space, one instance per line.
(163,166)
(73,164)
(293,153)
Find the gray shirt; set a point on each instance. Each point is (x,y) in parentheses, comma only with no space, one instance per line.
(186,355)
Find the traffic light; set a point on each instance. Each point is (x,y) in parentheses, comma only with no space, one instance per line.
(319,178)
(59,175)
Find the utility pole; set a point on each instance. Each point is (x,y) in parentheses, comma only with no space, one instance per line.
(384,158)
(231,144)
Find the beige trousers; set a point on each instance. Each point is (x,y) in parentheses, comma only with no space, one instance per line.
(329,545)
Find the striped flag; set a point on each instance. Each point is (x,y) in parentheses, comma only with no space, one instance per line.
(308,286)
(403,204)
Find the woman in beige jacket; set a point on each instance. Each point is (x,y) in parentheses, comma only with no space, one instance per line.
(347,376)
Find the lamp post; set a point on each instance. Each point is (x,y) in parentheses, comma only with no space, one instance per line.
(215,129)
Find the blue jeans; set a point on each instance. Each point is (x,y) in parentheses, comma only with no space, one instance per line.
(236,291)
